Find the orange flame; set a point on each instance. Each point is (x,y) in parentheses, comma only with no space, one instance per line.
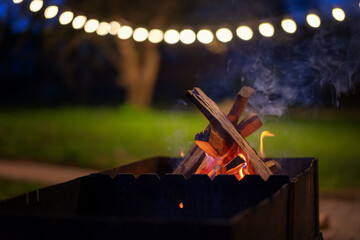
(243,165)
(264,134)
(181,205)
(181,153)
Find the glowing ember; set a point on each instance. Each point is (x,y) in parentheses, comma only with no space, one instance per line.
(181,205)
(264,134)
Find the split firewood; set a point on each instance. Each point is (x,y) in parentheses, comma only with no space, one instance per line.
(223,126)
(241,100)
(272,165)
(211,143)
(195,156)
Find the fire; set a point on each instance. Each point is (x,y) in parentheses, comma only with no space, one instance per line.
(264,134)
(242,166)
(181,205)
(181,153)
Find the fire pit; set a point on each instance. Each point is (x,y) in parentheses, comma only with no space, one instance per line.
(144,199)
(221,189)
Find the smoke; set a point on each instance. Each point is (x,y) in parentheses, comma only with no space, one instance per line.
(309,69)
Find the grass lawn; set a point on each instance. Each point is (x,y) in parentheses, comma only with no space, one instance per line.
(9,189)
(108,137)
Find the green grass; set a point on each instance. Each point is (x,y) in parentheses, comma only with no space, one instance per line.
(9,189)
(108,137)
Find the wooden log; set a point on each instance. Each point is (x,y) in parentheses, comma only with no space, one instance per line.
(195,155)
(211,143)
(222,125)
(190,162)
(217,144)
(249,125)
(241,100)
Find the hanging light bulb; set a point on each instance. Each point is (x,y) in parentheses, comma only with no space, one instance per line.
(288,25)
(171,36)
(91,25)
(125,32)
(36,5)
(79,22)
(205,36)
(187,36)
(66,17)
(51,11)
(313,20)
(224,35)
(266,29)
(156,36)
(114,27)
(338,14)
(140,34)
(244,32)
(103,29)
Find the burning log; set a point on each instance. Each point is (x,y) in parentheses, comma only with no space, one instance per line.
(211,143)
(195,156)
(220,123)
(246,127)
(214,145)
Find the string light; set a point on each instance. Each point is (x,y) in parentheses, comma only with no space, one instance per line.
(244,32)
(171,36)
(205,36)
(224,35)
(103,29)
(266,29)
(36,5)
(288,25)
(140,34)
(338,14)
(114,27)
(313,20)
(51,11)
(125,32)
(66,17)
(156,36)
(187,36)
(79,22)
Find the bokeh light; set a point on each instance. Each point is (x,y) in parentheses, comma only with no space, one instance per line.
(338,14)
(51,11)
(91,25)
(266,29)
(36,5)
(79,22)
(313,20)
(187,36)
(205,36)
(156,36)
(125,32)
(140,34)
(244,32)
(17,1)
(171,36)
(66,17)
(114,27)
(224,35)
(289,25)
(103,29)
